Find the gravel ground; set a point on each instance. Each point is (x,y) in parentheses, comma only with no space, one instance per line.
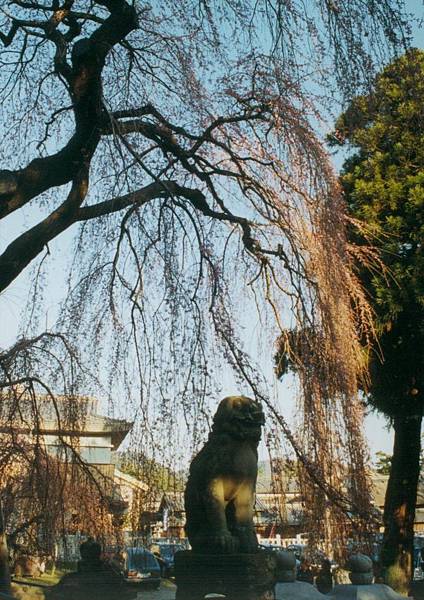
(165,592)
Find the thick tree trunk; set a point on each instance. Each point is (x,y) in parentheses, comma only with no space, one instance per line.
(4,558)
(399,507)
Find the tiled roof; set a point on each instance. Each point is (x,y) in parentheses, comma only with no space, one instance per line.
(379,483)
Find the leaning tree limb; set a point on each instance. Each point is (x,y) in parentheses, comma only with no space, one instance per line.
(83,78)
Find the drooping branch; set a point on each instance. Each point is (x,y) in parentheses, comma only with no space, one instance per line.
(257,167)
(12,537)
(138,198)
(85,88)
(7,38)
(27,246)
(166,189)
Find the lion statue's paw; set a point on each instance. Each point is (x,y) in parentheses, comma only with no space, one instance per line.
(223,543)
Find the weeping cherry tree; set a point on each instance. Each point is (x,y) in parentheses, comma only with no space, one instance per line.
(179,143)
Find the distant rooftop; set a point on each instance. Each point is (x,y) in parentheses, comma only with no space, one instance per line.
(68,416)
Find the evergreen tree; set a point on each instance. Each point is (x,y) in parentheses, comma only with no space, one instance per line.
(383,463)
(383,181)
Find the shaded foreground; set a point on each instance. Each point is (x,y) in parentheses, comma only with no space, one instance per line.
(166,592)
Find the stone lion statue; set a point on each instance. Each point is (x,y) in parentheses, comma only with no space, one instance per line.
(220,491)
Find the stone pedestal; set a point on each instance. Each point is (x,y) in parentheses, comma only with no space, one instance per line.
(376,591)
(236,576)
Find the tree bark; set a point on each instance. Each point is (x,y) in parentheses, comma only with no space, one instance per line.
(4,558)
(84,80)
(399,506)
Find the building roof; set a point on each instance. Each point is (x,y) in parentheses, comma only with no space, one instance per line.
(73,417)
(264,481)
(379,485)
(268,509)
(123,478)
(173,501)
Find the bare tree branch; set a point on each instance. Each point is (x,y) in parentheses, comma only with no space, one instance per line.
(28,245)
(84,78)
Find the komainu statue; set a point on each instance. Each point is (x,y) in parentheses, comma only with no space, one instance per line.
(220,491)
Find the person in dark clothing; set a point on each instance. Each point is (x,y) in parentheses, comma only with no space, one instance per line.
(305,571)
(94,580)
(324,580)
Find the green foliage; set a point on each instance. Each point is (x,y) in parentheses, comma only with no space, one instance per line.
(383,463)
(158,477)
(384,184)
(395,577)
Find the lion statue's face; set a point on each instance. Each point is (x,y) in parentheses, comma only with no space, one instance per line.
(239,416)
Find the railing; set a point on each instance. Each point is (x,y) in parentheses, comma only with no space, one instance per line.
(279,541)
